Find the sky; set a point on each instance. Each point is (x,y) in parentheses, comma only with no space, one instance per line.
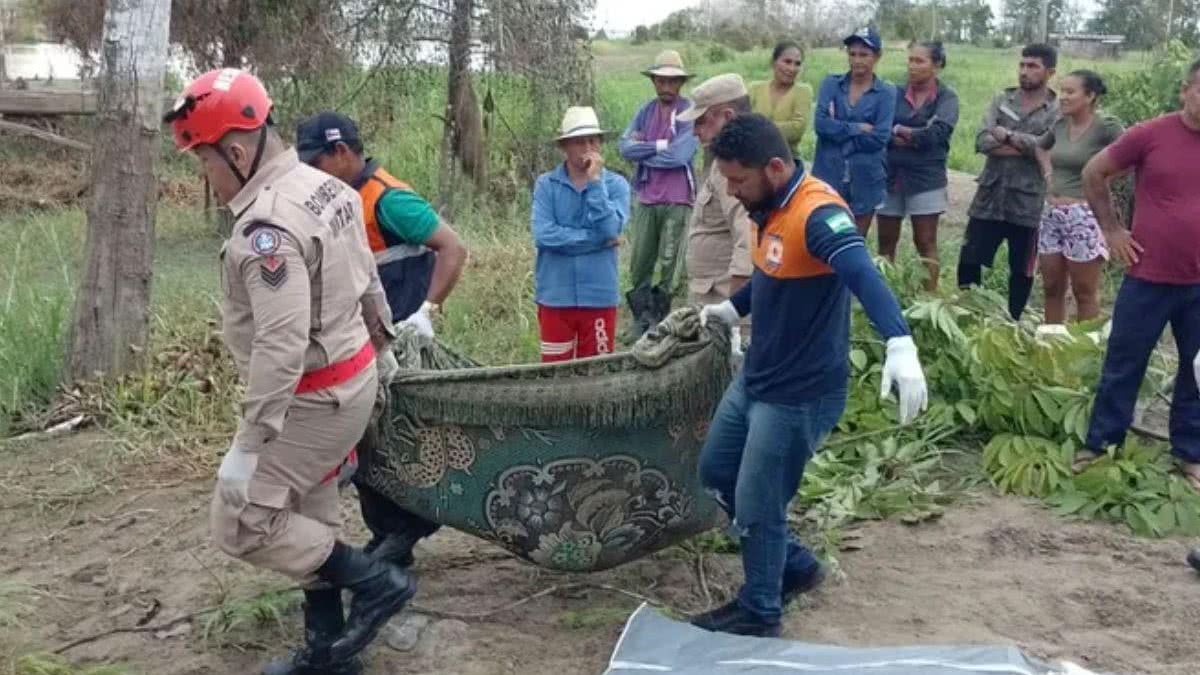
(624,15)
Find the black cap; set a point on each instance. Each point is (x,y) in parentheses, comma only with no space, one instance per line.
(319,132)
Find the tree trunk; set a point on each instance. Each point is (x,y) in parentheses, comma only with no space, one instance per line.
(112,310)
(460,63)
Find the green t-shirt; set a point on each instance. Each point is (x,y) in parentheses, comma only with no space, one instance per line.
(405,215)
(1068,157)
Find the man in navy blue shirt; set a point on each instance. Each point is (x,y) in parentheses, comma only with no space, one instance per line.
(808,260)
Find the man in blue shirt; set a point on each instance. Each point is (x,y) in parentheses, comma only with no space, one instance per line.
(808,259)
(579,211)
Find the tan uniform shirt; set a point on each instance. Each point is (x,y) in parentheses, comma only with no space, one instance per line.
(719,237)
(300,288)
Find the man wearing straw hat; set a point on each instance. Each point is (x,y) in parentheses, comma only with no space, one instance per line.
(661,146)
(718,238)
(579,211)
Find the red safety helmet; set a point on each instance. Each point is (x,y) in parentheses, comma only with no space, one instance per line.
(216,103)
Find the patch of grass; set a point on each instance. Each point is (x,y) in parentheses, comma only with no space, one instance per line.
(36,290)
(49,664)
(237,622)
(15,603)
(591,618)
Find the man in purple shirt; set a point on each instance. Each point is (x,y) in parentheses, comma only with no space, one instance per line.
(661,147)
(1162,281)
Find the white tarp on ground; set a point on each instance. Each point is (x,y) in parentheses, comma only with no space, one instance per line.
(652,643)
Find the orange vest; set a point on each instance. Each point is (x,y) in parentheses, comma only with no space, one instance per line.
(780,247)
(372,190)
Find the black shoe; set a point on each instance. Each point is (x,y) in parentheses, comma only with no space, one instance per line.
(1193,558)
(733,618)
(323,623)
(794,587)
(394,548)
(380,590)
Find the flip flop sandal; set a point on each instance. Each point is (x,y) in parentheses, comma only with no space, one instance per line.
(1084,459)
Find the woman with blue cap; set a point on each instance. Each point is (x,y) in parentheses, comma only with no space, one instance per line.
(853,122)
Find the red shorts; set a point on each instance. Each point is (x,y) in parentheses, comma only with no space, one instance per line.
(576,332)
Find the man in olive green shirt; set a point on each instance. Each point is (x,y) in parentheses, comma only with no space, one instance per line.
(1008,203)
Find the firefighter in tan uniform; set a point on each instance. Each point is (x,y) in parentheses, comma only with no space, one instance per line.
(718,248)
(304,317)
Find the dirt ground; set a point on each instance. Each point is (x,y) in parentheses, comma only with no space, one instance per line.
(106,549)
(93,545)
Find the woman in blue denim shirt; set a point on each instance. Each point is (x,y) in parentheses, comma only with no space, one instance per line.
(854,124)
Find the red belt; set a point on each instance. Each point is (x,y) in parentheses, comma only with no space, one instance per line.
(351,459)
(336,373)
(331,376)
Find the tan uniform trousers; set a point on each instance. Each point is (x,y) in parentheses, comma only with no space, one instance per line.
(293,517)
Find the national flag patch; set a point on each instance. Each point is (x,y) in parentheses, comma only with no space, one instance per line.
(839,223)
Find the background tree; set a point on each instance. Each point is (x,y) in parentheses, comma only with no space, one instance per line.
(111,323)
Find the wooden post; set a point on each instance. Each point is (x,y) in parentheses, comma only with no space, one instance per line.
(112,309)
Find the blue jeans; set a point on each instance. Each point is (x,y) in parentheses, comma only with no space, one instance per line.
(1143,309)
(752,463)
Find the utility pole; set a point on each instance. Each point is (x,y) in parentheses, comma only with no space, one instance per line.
(1044,22)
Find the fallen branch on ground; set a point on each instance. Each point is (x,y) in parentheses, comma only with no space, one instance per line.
(441,614)
(60,428)
(43,135)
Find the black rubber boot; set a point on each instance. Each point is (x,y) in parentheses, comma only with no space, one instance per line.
(323,623)
(1193,558)
(380,590)
(393,548)
(641,308)
(660,304)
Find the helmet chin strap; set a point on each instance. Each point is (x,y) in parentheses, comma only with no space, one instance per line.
(258,153)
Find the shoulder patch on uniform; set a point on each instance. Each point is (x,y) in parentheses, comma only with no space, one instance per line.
(265,240)
(840,222)
(273,270)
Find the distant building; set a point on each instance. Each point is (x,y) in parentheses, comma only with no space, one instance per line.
(1089,45)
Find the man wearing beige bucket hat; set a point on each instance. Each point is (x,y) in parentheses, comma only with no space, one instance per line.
(579,211)
(718,243)
(661,147)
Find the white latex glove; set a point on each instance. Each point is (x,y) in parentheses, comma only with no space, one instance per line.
(387,365)
(233,478)
(1053,329)
(420,320)
(725,312)
(904,369)
(661,145)
(1196,366)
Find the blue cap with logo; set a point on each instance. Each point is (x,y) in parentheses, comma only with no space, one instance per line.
(868,35)
(321,132)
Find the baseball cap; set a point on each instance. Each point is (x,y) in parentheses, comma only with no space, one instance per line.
(868,35)
(714,91)
(319,132)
